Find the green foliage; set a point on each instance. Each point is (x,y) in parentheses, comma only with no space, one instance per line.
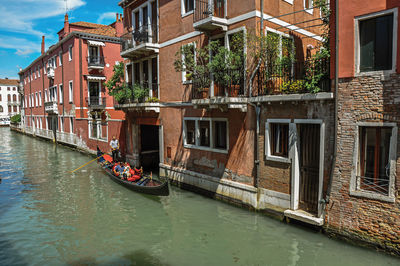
(15,119)
(296,86)
(140,92)
(152,100)
(116,85)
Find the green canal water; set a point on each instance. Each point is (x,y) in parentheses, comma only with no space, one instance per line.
(51,217)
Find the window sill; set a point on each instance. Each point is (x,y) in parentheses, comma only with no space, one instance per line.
(103,140)
(189,146)
(382,73)
(372,195)
(277,159)
(187,82)
(187,14)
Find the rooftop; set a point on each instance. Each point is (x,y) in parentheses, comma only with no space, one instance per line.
(12,82)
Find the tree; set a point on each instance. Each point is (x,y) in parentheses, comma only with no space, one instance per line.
(116,85)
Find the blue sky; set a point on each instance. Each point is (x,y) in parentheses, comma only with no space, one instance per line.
(23,22)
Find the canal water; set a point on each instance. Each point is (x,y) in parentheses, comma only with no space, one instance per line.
(49,216)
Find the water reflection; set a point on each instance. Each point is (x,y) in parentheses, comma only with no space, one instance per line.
(50,216)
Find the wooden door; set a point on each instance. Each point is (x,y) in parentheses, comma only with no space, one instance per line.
(309,167)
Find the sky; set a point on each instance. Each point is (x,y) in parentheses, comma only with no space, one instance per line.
(23,22)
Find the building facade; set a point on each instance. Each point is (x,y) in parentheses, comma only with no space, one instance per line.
(364,200)
(64,97)
(212,136)
(9,100)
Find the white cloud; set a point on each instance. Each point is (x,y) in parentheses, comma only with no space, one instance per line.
(19,15)
(23,46)
(106,16)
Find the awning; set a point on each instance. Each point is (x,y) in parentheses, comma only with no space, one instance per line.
(96,43)
(95,78)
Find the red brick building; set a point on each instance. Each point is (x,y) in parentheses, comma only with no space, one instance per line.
(64,97)
(364,199)
(214,140)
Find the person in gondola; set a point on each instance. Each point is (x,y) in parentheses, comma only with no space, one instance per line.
(127,171)
(118,169)
(114,145)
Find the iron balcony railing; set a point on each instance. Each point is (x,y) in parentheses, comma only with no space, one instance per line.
(205,8)
(143,34)
(231,83)
(96,102)
(293,77)
(95,61)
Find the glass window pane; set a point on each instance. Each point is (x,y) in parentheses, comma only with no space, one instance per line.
(190,132)
(205,133)
(279,139)
(220,140)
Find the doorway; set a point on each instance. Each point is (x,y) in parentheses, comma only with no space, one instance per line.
(309,164)
(150,148)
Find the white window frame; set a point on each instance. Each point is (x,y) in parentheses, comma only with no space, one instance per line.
(307,9)
(183,10)
(354,191)
(357,49)
(289,1)
(60,88)
(268,155)
(36,99)
(184,80)
(39,69)
(70,52)
(197,134)
(40,98)
(99,130)
(71,125)
(60,58)
(71,91)
(61,127)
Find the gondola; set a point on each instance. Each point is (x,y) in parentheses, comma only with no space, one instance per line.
(153,187)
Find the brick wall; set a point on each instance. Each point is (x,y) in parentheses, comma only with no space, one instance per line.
(364,99)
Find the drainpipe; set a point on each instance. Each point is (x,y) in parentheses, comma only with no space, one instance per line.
(257,108)
(336,100)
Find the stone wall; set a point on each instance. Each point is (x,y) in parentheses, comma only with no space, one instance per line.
(373,221)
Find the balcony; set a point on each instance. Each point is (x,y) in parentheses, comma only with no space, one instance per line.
(209,15)
(51,107)
(308,80)
(222,90)
(142,41)
(50,72)
(14,103)
(95,62)
(96,102)
(149,103)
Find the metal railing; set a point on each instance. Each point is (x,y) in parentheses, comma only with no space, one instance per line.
(231,83)
(143,34)
(96,102)
(204,9)
(95,61)
(293,77)
(378,185)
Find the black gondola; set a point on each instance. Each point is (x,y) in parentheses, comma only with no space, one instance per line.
(155,187)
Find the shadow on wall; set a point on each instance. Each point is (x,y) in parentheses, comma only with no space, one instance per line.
(137,257)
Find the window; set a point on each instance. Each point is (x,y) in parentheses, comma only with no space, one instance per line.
(375,161)
(55,61)
(39,69)
(71,125)
(60,58)
(71,92)
(8,88)
(188,58)
(61,93)
(206,133)
(0,97)
(376,43)
(40,98)
(14,88)
(1,109)
(8,98)
(70,53)
(36,99)
(15,108)
(61,124)
(277,140)
(9,109)
(98,130)
(187,6)
(308,6)
(14,98)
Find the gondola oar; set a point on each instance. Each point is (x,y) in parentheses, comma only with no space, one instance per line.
(87,163)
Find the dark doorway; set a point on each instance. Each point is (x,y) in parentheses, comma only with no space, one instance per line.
(149,141)
(309,167)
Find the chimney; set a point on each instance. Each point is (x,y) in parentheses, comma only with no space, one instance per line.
(66,24)
(43,47)
(119,26)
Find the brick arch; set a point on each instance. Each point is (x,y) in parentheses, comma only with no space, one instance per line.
(377,116)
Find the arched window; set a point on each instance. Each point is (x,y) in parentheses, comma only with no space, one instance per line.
(1,109)
(9,97)
(14,98)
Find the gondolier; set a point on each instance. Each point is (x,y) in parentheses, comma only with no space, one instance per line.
(114,144)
